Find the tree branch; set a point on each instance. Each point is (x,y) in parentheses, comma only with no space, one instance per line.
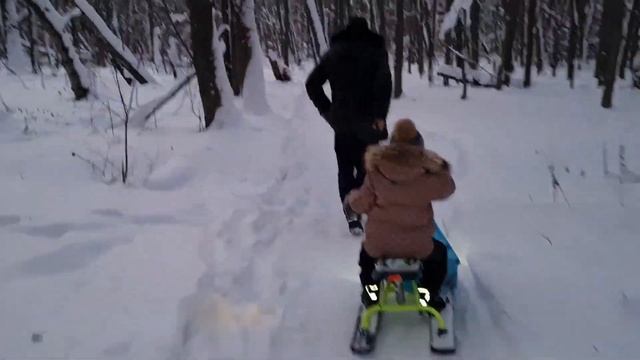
(167,12)
(74,13)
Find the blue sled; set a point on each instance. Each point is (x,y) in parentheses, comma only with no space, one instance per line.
(451,281)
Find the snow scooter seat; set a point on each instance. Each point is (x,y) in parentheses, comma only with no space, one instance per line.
(408,269)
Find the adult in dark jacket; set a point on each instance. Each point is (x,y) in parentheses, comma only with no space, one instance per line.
(357,69)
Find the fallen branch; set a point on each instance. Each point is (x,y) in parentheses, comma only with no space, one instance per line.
(96,169)
(146,111)
(555,184)
(465,58)
(455,73)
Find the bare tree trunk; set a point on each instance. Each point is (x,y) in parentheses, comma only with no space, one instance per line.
(512,9)
(432,40)
(240,49)
(399,40)
(33,53)
(475,33)
(382,25)
(315,47)
(295,47)
(604,45)
(3,29)
(632,38)
(336,17)
(151,27)
(411,46)
(531,26)
(203,57)
(555,52)
(589,20)
(448,41)
(582,20)
(420,36)
(409,55)
(372,14)
(539,49)
(555,48)
(573,42)
(324,24)
(226,37)
(341,14)
(317,27)
(286,44)
(613,32)
(459,30)
(522,33)
(462,19)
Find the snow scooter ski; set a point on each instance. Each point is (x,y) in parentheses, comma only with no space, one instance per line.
(399,292)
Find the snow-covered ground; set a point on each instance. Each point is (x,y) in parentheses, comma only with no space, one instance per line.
(230,244)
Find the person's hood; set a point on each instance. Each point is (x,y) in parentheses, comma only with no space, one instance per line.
(358,33)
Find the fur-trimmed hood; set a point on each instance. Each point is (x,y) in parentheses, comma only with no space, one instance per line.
(402,162)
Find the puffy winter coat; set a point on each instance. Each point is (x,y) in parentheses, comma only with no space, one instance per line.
(402,180)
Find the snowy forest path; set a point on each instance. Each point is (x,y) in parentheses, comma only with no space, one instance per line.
(239,297)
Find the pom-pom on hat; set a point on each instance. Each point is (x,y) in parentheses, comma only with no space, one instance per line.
(405,132)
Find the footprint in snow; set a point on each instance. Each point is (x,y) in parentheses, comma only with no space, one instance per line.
(57,230)
(118,350)
(153,219)
(6,220)
(68,258)
(110,213)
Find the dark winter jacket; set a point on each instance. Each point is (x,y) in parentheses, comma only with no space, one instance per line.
(357,69)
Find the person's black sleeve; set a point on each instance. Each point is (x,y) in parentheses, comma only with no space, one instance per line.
(314,84)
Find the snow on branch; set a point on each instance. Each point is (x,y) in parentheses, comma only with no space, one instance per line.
(465,58)
(557,18)
(451,17)
(78,74)
(222,28)
(22,15)
(118,49)
(70,15)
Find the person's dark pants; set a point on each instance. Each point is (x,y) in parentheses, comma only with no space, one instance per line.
(350,154)
(434,268)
